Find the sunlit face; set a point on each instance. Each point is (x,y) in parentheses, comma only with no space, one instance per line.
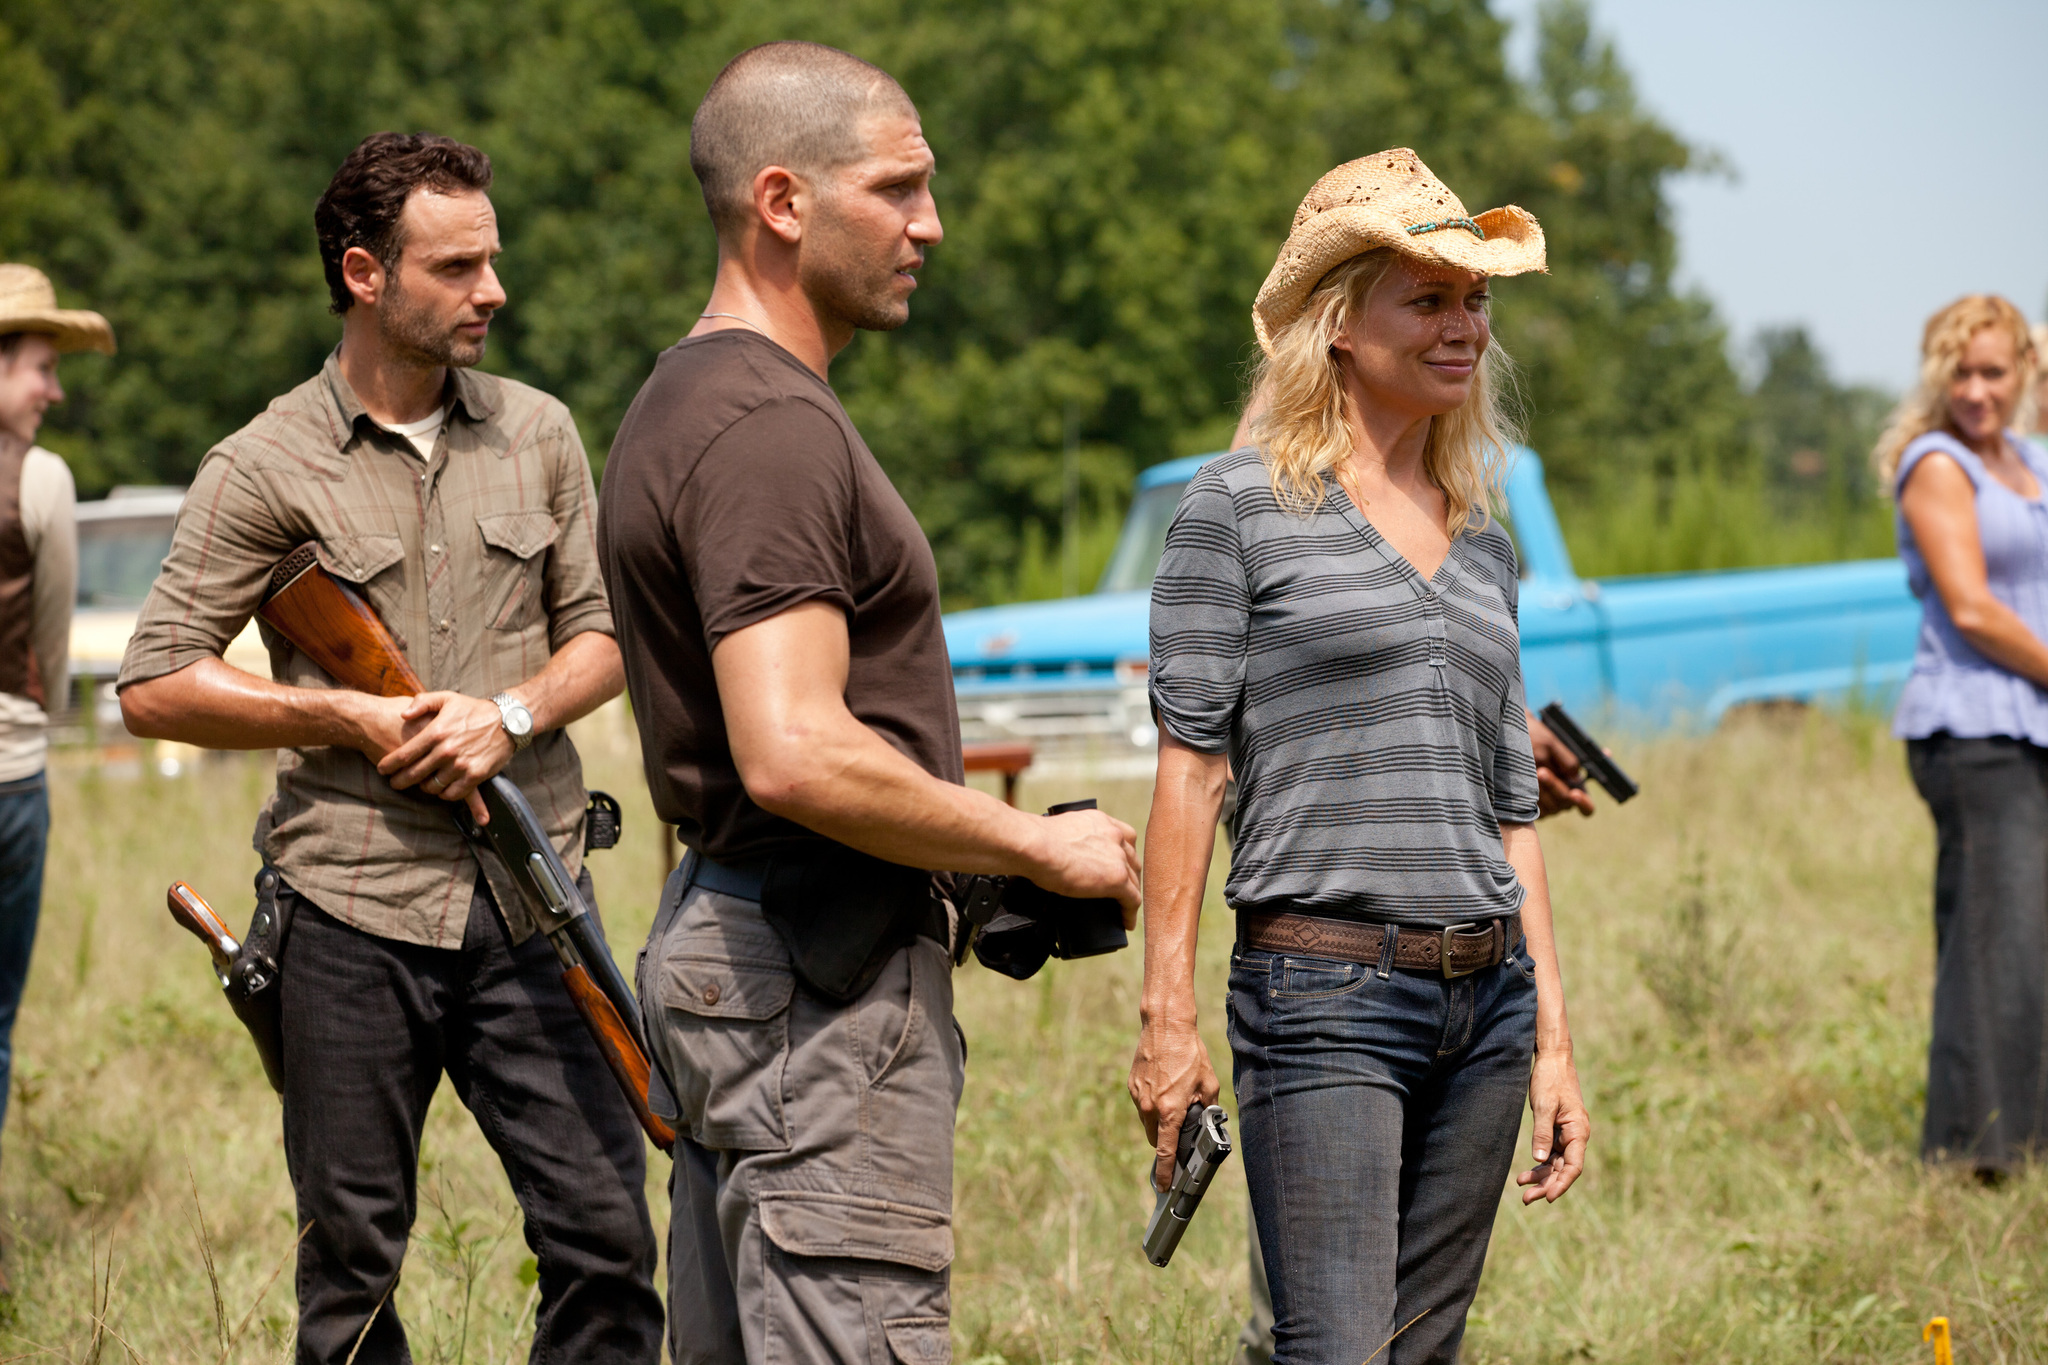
(1984,391)
(1415,345)
(435,306)
(28,386)
(873,225)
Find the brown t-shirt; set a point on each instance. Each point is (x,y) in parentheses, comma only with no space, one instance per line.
(737,489)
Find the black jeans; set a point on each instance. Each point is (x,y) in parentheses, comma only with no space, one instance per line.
(1377,1118)
(369,1025)
(1986,1100)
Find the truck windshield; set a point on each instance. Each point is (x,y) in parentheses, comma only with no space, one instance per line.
(118,558)
(1136,560)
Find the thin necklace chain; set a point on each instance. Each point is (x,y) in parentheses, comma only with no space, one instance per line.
(737,318)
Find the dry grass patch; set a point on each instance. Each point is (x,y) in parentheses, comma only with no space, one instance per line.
(1748,948)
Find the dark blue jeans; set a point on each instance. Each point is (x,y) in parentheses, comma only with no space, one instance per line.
(1378,1119)
(24,835)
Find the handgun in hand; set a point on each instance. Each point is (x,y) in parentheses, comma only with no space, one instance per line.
(1598,763)
(1204,1146)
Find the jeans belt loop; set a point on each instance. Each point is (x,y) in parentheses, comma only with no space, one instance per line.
(1444,952)
(1390,939)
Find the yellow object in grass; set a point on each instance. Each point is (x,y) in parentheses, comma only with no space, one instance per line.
(1936,1331)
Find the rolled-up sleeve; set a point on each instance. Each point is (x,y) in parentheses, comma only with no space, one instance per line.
(1201,617)
(576,598)
(227,541)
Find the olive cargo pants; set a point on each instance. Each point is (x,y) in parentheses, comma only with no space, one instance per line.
(813,1185)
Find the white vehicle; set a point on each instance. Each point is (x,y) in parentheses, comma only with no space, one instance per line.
(122,541)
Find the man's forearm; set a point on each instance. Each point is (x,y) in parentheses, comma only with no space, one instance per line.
(853,786)
(215,705)
(581,676)
(803,755)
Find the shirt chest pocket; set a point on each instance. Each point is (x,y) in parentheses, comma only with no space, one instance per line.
(515,558)
(374,564)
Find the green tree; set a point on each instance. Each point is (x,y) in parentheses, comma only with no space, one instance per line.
(1115,179)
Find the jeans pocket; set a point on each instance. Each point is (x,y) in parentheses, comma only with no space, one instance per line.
(1312,978)
(1519,955)
(727,1021)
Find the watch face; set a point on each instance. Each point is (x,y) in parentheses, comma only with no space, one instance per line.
(518,720)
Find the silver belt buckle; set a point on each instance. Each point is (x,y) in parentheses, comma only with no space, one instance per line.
(1444,951)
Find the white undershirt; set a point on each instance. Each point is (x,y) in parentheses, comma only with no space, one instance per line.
(423,434)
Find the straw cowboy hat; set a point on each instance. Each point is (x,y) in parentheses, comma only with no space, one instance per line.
(29,304)
(1388,199)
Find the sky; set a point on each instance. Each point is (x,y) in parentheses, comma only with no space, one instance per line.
(1888,157)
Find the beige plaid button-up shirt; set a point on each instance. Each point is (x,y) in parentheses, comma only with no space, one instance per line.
(482,561)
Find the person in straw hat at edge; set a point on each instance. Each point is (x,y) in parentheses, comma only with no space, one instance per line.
(1334,618)
(38,580)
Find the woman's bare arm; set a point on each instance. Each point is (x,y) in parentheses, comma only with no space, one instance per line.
(1562,1125)
(1940,505)
(1172,1070)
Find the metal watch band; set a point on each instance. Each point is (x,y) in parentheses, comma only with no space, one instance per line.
(505,702)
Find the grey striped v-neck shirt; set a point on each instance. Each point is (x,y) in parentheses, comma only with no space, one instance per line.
(1374,718)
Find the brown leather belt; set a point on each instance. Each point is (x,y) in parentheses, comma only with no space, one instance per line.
(1457,951)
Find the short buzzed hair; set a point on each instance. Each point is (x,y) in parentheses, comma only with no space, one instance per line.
(789,104)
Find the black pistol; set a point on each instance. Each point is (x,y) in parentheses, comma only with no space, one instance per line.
(1591,756)
(1204,1146)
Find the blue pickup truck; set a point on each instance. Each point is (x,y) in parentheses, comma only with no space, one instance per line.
(1642,652)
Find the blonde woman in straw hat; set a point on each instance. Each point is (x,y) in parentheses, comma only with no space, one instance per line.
(38,579)
(1973,531)
(1334,619)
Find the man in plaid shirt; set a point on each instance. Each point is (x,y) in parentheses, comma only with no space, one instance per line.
(461,506)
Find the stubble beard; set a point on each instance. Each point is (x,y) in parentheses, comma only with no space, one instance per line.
(845,280)
(415,334)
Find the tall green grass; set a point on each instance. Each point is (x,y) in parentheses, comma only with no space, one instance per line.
(1748,951)
(1059,566)
(1704,519)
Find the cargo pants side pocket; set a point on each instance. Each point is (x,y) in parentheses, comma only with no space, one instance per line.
(725,1007)
(897,1255)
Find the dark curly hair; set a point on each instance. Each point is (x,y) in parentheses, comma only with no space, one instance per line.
(366,196)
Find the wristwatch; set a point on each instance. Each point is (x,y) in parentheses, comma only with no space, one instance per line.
(517,720)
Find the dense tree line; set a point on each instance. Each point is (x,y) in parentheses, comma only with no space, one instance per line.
(1115,177)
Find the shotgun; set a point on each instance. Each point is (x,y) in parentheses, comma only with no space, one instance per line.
(330,623)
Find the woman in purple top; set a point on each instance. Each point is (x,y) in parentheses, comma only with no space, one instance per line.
(1973,531)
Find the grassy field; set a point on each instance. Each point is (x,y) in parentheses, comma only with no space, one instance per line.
(1747,946)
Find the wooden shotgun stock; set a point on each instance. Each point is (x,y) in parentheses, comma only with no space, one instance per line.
(331,624)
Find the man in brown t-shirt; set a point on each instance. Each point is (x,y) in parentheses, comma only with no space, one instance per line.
(778,610)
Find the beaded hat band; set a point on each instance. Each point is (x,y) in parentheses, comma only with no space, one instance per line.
(1389,199)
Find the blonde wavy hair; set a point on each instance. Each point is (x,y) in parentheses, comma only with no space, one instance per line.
(1307,427)
(1942,344)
